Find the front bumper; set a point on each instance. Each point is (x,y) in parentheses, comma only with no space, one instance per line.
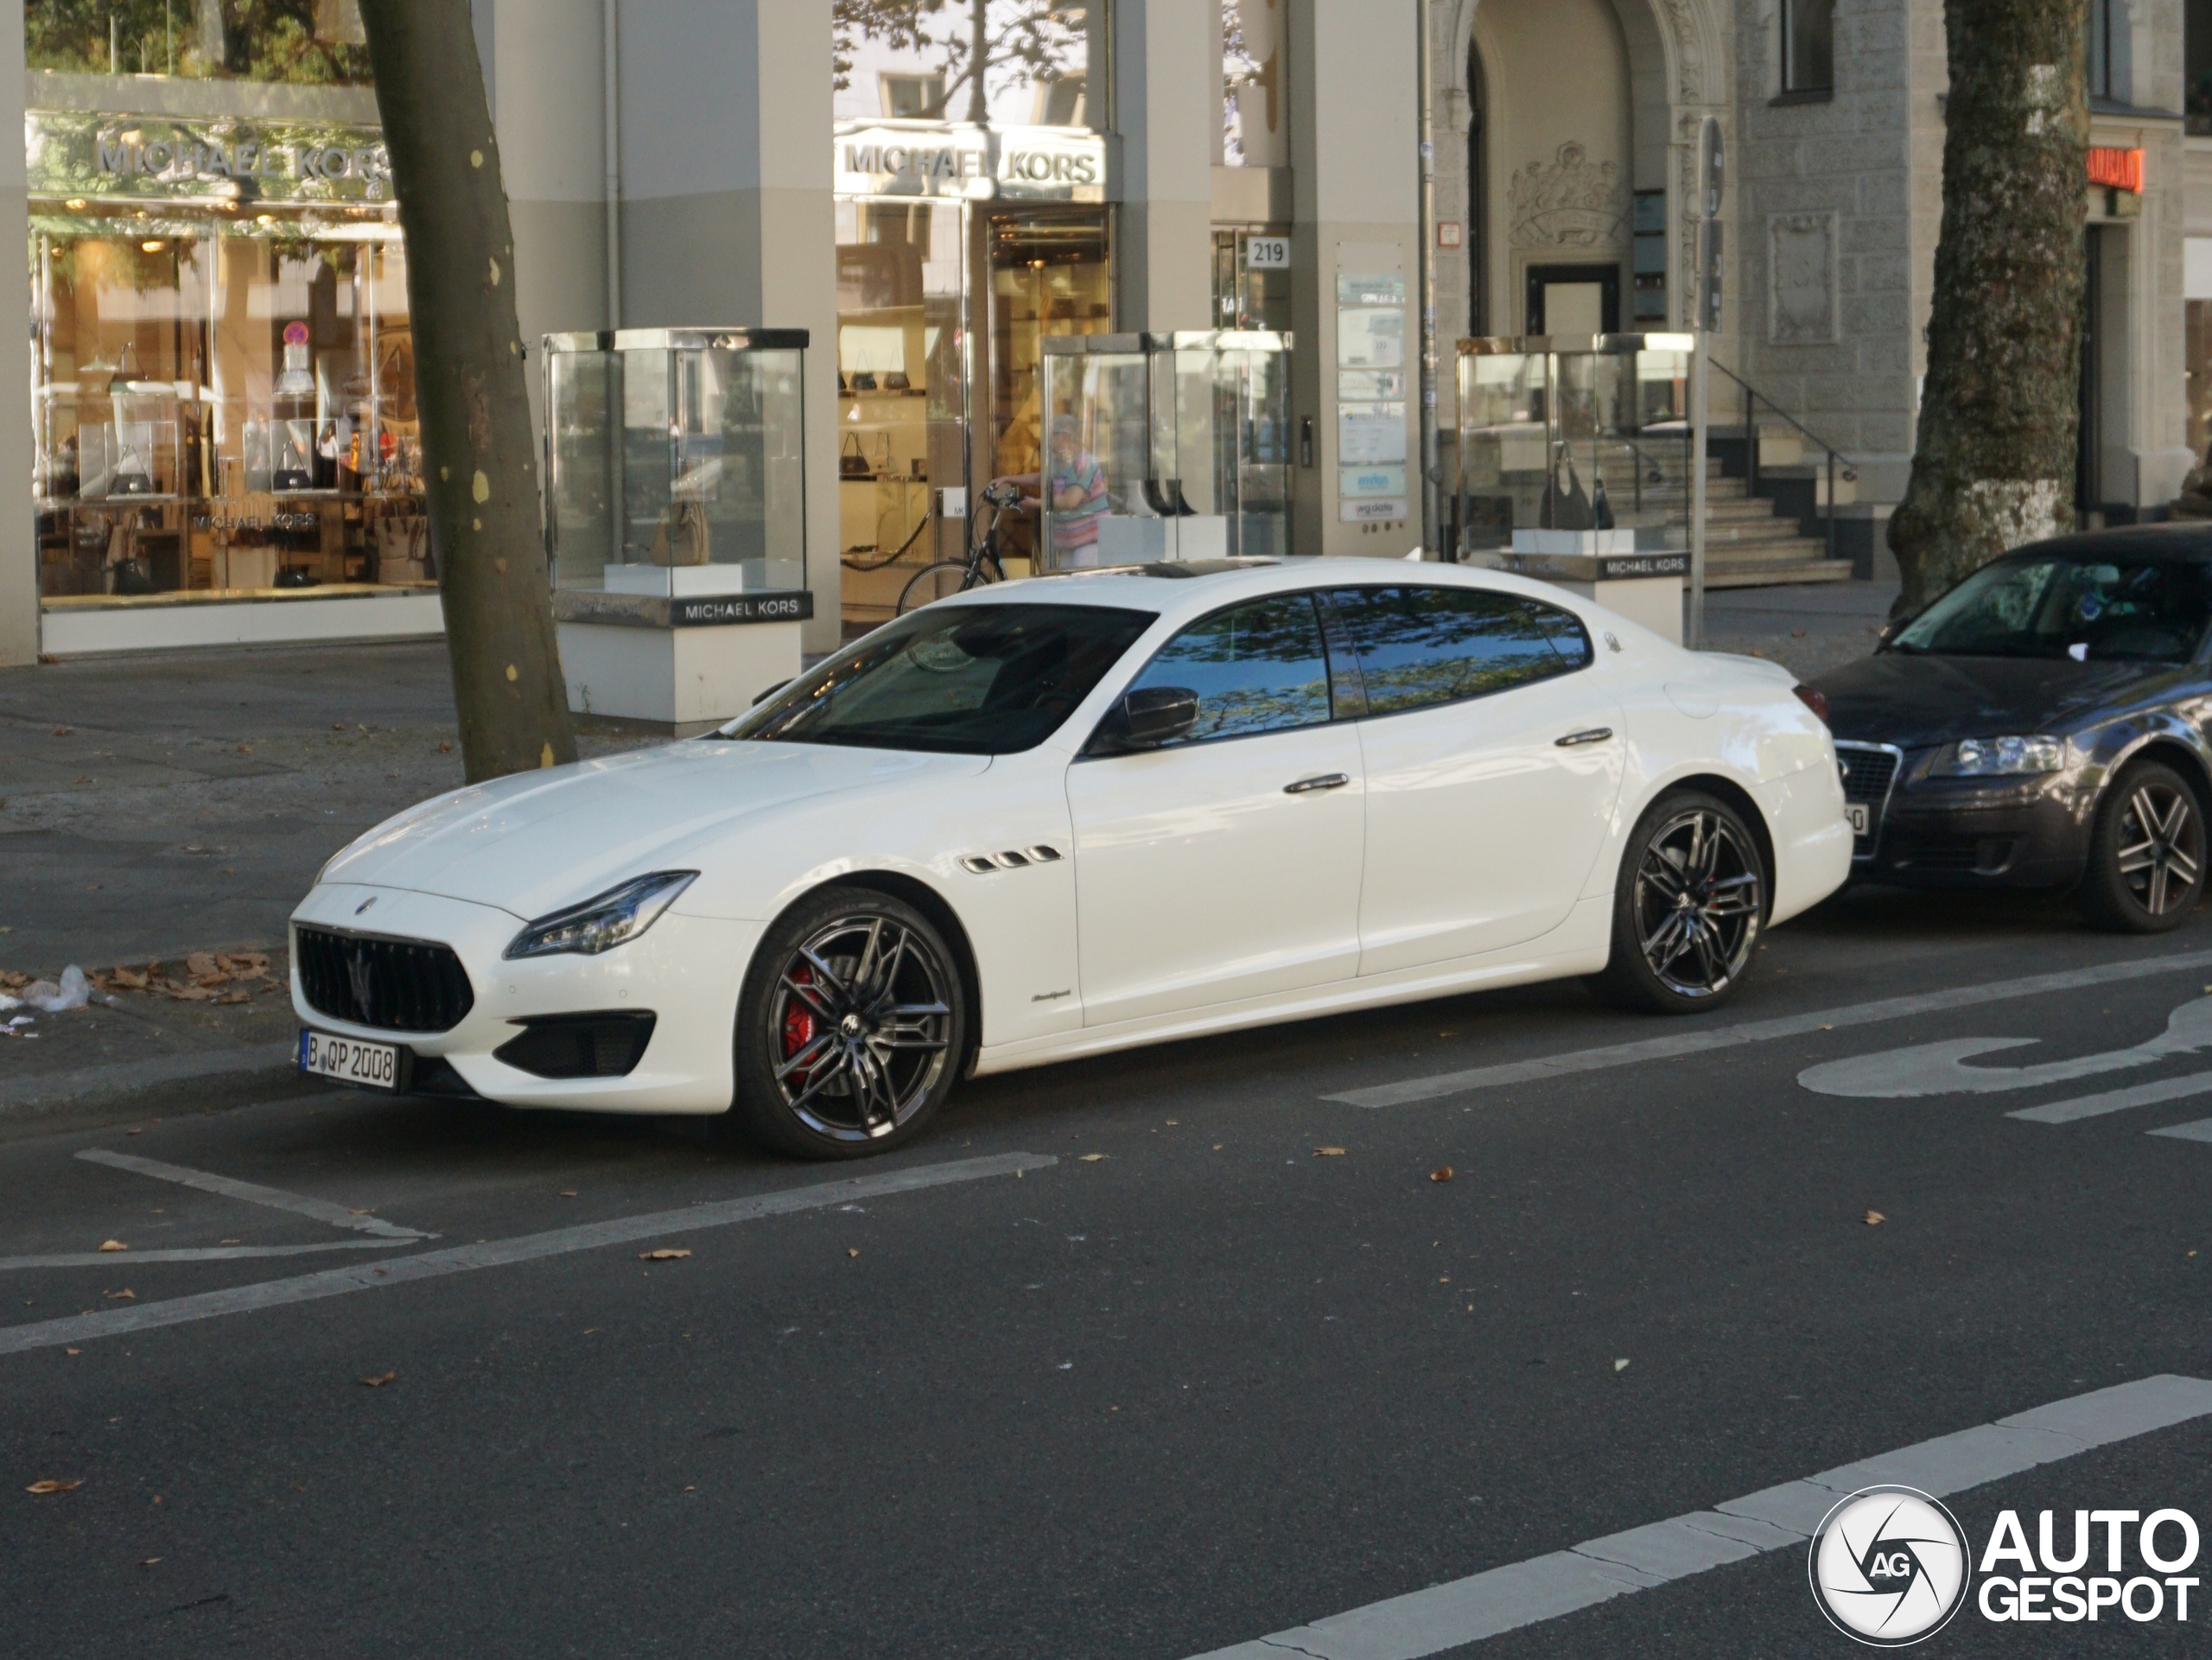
(1969,833)
(685,970)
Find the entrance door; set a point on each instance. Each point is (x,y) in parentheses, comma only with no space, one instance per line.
(902,395)
(1225,865)
(1574,300)
(1481,825)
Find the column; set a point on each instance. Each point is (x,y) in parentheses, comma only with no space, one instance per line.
(1167,111)
(18,544)
(727,217)
(1353,73)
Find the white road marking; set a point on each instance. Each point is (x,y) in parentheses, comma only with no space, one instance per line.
(2095,1106)
(503,1253)
(1544,1588)
(1789,1026)
(2198,1129)
(253,1194)
(204,1254)
(1941,1068)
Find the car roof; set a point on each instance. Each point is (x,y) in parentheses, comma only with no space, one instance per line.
(2183,538)
(1199,585)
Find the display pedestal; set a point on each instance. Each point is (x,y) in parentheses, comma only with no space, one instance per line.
(688,664)
(1646,587)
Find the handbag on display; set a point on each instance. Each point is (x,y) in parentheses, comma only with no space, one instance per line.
(851,463)
(681,536)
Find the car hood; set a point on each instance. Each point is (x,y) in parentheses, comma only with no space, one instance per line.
(1916,701)
(534,842)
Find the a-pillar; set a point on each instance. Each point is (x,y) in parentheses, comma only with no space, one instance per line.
(727,217)
(1167,111)
(1354,83)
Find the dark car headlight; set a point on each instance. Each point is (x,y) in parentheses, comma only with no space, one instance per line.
(614,917)
(2008,757)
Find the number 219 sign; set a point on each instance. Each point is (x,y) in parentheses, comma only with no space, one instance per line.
(1267,253)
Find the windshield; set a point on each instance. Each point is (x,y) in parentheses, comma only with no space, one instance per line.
(2087,606)
(962,680)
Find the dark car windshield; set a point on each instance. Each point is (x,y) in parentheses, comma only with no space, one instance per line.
(2089,607)
(960,679)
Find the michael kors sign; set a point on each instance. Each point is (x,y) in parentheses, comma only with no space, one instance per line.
(1028,163)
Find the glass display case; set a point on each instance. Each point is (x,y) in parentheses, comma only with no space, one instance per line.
(1164,447)
(676,461)
(1576,435)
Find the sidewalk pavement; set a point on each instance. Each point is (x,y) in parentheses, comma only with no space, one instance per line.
(1808,631)
(155,806)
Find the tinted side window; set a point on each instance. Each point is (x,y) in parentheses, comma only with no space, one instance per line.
(1422,645)
(1256,668)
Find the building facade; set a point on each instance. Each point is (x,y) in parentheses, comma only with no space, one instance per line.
(217,446)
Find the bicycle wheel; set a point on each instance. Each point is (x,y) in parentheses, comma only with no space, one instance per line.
(935,582)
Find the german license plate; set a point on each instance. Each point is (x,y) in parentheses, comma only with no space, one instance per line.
(1861,815)
(349,1060)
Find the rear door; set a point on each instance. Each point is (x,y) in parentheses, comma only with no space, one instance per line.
(1493,760)
(1225,865)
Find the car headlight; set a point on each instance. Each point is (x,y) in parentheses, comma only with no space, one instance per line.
(616,917)
(1999,757)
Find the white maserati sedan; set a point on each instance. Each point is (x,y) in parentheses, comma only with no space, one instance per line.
(1074,814)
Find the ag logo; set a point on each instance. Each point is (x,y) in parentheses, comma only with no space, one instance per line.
(1889,1566)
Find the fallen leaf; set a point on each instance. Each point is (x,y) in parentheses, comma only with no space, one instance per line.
(1217,1147)
(1174,1123)
(664,1255)
(129,979)
(445,749)
(378,1382)
(1092,1158)
(63,731)
(141,1131)
(568,1192)
(50,1485)
(849,1252)
(223,1242)
(1797,633)
(338,726)
(1442,1172)
(114,1245)
(1875,1218)
(1328,1152)
(126,1292)
(150,1561)
(1620,1366)
(73,1351)
(1827,1029)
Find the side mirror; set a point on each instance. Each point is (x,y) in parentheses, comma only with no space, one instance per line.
(1146,719)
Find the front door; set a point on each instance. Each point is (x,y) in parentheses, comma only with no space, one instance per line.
(1225,865)
(1483,825)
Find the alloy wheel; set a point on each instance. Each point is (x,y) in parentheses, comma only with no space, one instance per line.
(1698,903)
(859,1026)
(2161,846)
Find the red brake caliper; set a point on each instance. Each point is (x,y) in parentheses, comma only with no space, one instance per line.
(798,1025)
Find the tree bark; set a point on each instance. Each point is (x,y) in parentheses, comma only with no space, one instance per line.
(478,441)
(1994,460)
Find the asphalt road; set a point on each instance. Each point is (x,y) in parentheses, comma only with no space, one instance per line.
(1211,1385)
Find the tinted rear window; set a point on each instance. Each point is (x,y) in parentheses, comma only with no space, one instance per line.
(1418,646)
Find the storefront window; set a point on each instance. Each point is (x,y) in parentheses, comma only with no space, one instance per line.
(222,366)
(319,42)
(998,63)
(1050,275)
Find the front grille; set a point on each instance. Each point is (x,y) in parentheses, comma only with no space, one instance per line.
(1869,771)
(395,985)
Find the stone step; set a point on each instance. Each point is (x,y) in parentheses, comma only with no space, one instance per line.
(1776,573)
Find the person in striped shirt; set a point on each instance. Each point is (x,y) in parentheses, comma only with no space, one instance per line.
(1078,484)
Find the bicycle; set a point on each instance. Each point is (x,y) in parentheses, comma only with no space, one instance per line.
(982,565)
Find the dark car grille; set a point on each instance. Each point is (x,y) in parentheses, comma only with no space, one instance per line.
(395,985)
(1870,775)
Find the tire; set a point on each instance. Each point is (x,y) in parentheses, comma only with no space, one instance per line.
(936,581)
(865,985)
(1683,945)
(2147,853)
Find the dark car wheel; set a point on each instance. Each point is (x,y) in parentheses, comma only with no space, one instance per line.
(2146,854)
(850,1027)
(1688,906)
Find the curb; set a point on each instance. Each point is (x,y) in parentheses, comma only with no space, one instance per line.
(31,1105)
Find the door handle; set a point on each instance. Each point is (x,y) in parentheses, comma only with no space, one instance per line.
(1320,781)
(1590,734)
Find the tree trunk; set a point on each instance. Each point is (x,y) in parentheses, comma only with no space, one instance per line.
(1994,462)
(477,436)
